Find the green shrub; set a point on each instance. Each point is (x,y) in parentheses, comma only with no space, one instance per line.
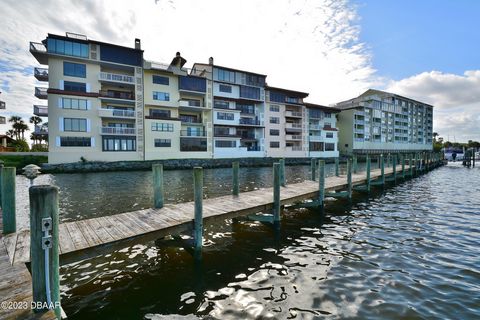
(39,148)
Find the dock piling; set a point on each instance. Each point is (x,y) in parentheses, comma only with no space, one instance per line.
(349,178)
(1,171)
(198,211)
(8,200)
(355,164)
(402,156)
(313,168)
(337,169)
(321,182)
(394,165)
(44,247)
(410,163)
(276,193)
(282,172)
(158,191)
(382,169)
(235,180)
(368,172)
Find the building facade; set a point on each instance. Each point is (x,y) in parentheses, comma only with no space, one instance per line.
(378,121)
(107,103)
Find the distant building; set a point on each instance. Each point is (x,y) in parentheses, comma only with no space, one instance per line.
(322,131)
(3,106)
(378,121)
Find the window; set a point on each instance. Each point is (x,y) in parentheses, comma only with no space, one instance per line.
(161,80)
(193,144)
(75,142)
(274,144)
(327,125)
(255,80)
(191,83)
(291,100)
(68,48)
(329,135)
(274,132)
(162,96)
(220,104)
(74,69)
(225,143)
(225,116)
(225,88)
(274,120)
(250,92)
(328,115)
(329,146)
(225,75)
(115,143)
(163,143)
(274,108)
(75,125)
(76,104)
(159,114)
(74,86)
(315,113)
(246,108)
(316,146)
(166,127)
(277,97)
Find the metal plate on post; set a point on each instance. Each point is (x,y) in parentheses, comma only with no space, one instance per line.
(46,242)
(46,224)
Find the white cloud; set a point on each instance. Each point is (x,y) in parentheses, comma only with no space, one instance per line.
(456,99)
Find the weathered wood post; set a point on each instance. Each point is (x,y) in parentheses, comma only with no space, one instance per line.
(158,191)
(337,164)
(276,193)
(235,180)
(1,171)
(198,218)
(282,172)
(349,178)
(403,165)
(382,169)
(388,159)
(8,200)
(313,168)
(355,164)
(473,157)
(44,247)
(394,166)
(368,172)
(321,182)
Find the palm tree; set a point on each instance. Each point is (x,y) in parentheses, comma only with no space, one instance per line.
(10,133)
(15,120)
(22,127)
(35,120)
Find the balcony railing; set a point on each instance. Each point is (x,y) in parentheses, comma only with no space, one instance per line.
(296,126)
(248,135)
(293,137)
(41,74)
(315,127)
(3,120)
(188,133)
(2,105)
(190,103)
(118,131)
(41,111)
(41,93)
(248,121)
(190,120)
(37,47)
(118,78)
(295,114)
(40,130)
(294,148)
(253,148)
(225,134)
(116,113)
(117,94)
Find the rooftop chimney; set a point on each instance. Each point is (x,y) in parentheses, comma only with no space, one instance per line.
(210,60)
(137,44)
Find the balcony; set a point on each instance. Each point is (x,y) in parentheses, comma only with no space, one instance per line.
(315,138)
(41,74)
(116,113)
(293,137)
(39,51)
(294,148)
(40,130)
(116,78)
(41,111)
(218,133)
(315,127)
(192,84)
(192,133)
(3,120)
(249,122)
(293,114)
(117,131)
(2,105)
(41,93)
(117,96)
(248,136)
(293,126)
(190,104)
(190,120)
(254,148)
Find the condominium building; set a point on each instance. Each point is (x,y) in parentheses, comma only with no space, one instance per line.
(238,110)
(106,103)
(378,121)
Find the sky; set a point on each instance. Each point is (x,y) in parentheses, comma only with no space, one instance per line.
(427,50)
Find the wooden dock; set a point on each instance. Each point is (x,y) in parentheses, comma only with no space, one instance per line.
(92,237)
(16,289)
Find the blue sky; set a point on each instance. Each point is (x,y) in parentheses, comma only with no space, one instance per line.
(411,36)
(334,49)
